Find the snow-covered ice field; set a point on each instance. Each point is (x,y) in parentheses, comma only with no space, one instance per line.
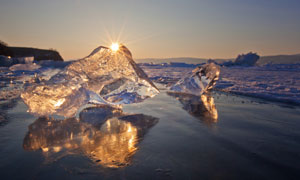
(277,82)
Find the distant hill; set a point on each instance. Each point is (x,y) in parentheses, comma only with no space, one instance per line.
(5,50)
(280,59)
(187,60)
(276,59)
(38,54)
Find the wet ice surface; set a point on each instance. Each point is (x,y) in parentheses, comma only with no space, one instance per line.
(166,137)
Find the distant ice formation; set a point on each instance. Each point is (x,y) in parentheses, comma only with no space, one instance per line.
(198,81)
(103,77)
(7,61)
(249,59)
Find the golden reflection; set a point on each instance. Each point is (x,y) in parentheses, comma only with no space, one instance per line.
(202,107)
(208,102)
(111,145)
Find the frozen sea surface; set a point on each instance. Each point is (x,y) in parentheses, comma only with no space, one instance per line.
(171,136)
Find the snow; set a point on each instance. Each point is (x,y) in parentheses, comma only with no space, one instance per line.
(277,82)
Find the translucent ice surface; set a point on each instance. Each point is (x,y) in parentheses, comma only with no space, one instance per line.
(103,77)
(199,80)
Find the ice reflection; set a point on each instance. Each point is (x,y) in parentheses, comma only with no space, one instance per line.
(201,107)
(111,141)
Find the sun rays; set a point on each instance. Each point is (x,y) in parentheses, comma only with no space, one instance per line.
(116,36)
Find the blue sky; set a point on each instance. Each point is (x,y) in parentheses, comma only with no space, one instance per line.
(154,28)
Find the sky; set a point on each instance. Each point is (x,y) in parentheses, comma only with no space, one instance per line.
(154,28)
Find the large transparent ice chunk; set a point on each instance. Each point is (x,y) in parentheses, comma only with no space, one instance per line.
(199,80)
(103,77)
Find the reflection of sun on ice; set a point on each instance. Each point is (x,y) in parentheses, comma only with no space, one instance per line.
(59,102)
(210,106)
(114,47)
(114,146)
(129,129)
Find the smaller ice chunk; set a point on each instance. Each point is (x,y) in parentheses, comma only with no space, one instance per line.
(199,80)
(7,61)
(25,67)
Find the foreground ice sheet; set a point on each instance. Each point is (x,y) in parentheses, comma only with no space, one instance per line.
(199,80)
(103,77)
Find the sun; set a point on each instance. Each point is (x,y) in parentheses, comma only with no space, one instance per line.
(114,47)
